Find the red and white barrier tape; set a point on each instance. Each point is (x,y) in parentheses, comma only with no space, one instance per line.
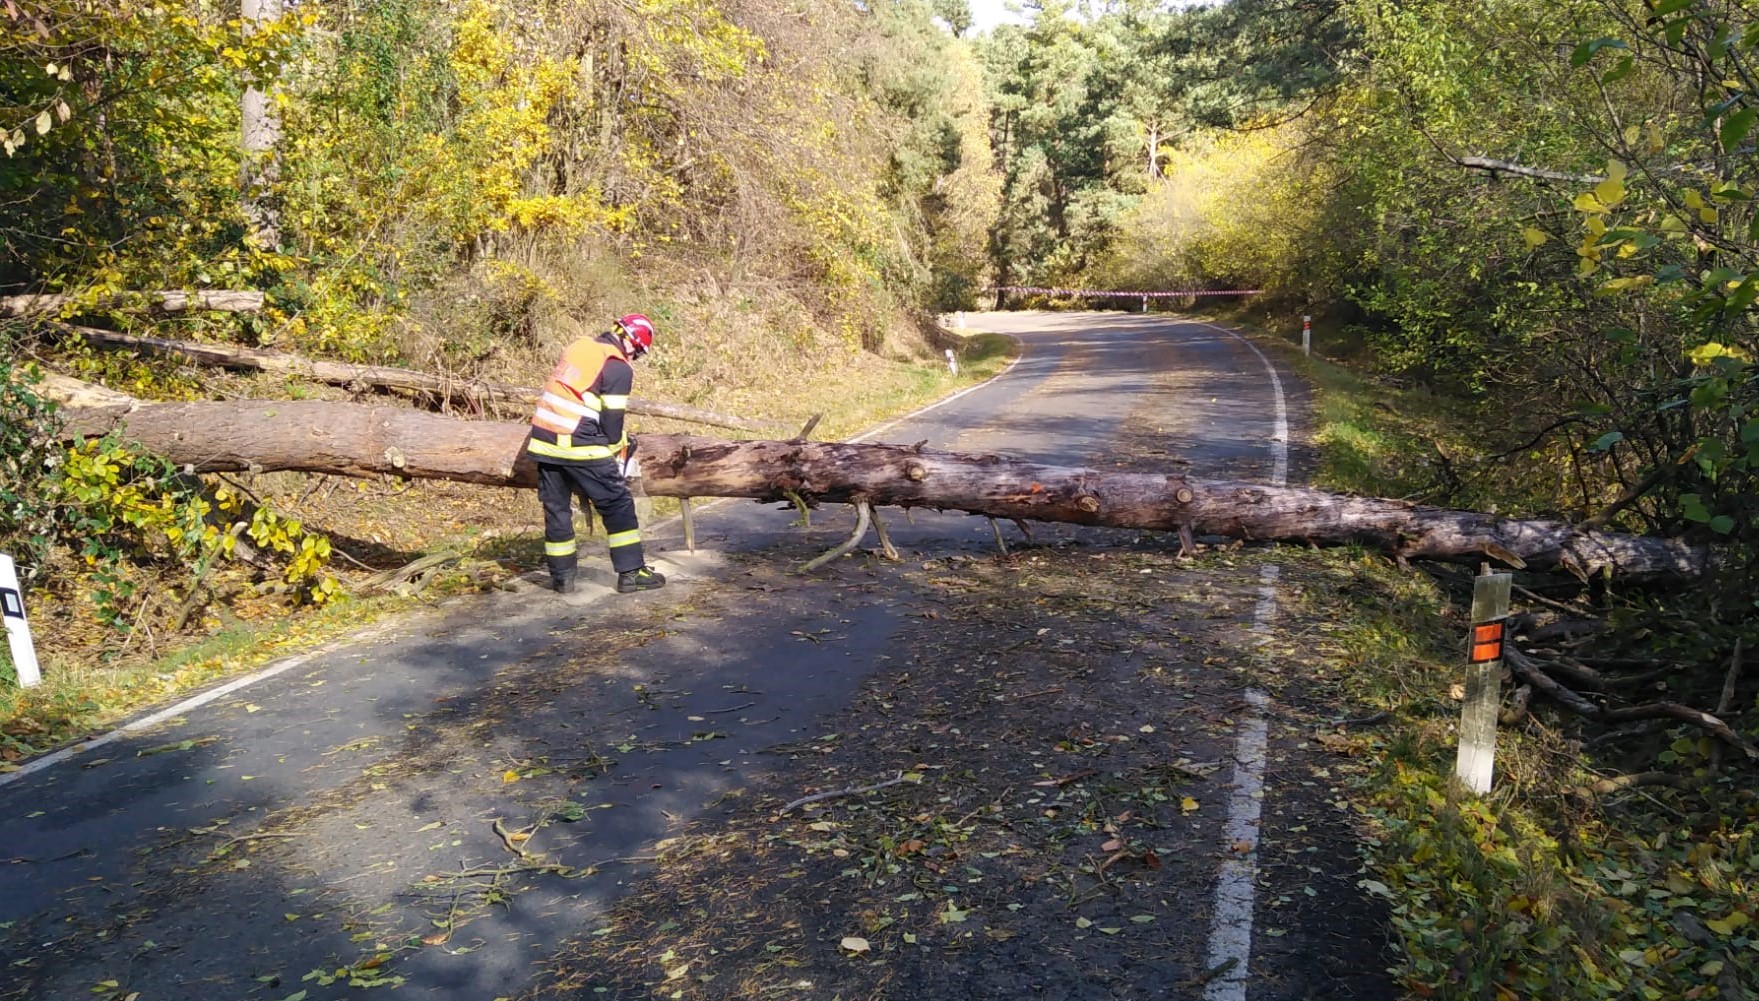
(1095,294)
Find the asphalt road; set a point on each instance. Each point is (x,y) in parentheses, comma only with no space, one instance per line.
(287,827)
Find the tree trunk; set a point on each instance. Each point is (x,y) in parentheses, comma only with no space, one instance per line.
(261,134)
(474,392)
(216,300)
(351,440)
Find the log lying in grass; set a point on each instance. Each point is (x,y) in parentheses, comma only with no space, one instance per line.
(354,440)
(473,392)
(213,300)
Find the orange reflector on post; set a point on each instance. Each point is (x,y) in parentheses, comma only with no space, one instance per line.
(1487,642)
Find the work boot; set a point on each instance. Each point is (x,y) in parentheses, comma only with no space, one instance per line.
(562,585)
(642,579)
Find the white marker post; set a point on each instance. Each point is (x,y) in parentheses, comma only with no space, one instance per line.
(1307,336)
(18,629)
(952,363)
(1490,611)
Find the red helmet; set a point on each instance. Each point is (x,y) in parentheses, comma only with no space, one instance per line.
(640,331)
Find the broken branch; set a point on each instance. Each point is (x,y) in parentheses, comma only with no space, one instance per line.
(833,794)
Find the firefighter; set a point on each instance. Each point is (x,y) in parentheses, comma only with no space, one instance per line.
(581,446)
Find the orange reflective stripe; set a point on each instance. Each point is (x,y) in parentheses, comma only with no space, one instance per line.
(1487,639)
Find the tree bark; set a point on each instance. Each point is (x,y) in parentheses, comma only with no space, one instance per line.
(215,300)
(474,392)
(353,440)
(261,134)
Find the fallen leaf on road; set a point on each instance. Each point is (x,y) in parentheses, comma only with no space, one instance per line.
(854,944)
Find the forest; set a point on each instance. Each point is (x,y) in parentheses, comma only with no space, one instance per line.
(1530,226)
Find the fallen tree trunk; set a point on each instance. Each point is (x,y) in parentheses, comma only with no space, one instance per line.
(474,392)
(214,300)
(353,440)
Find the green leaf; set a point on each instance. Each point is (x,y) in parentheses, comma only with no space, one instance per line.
(1607,441)
(1722,524)
(1586,50)
(1729,925)
(1619,71)
(1692,509)
(1736,126)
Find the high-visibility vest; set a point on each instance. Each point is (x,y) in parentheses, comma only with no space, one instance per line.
(568,400)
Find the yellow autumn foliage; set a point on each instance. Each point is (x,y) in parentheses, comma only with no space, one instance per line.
(1241,209)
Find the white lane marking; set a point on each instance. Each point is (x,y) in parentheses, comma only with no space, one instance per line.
(1230,935)
(56,757)
(170,712)
(1279,442)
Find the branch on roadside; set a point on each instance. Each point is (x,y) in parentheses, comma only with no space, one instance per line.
(1619,783)
(474,393)
(1534,674)
(833,794)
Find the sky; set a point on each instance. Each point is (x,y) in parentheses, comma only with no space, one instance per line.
(986,14)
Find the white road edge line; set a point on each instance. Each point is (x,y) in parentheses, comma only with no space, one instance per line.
(1230,935)
(154,719)
(196,702)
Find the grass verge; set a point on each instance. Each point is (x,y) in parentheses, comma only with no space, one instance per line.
(1544,888)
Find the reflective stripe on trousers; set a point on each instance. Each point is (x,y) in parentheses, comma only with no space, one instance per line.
(601,483)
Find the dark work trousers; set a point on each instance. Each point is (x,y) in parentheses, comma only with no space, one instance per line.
(602,483)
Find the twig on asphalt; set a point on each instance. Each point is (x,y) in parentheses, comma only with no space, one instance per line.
(802,801)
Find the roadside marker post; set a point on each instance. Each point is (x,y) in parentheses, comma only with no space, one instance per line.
(1476,763)
(952,362)
(18,628)
(1307,336)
